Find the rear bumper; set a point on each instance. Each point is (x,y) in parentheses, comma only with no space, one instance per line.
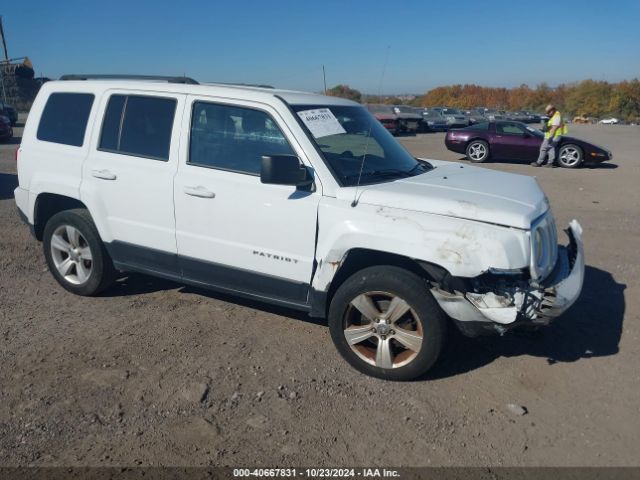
(536,304)
(457,146)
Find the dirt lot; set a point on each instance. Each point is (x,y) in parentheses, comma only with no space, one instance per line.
(153,373)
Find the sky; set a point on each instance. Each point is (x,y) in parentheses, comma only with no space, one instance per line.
(373,46)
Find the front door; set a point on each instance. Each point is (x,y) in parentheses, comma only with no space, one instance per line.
(233,232)
(512,141)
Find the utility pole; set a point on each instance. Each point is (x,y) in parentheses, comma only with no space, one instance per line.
(4,42)
(6,62)
(324,79)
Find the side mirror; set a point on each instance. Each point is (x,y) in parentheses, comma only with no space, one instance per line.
(284,170)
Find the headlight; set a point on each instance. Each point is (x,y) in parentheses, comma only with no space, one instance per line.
(544,246)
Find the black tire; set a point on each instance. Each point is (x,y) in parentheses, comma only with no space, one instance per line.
(475,146)
(101,270)
(574,156)
(424,315)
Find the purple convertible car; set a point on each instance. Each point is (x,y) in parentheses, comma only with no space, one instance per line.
(504,140)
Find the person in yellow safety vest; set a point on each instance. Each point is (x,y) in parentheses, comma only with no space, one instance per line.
(553,132)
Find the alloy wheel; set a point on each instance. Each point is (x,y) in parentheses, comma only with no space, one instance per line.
(383,330)
(71,254)
(570,156)
(477,151)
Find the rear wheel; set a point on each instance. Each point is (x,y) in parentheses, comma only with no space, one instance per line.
(570,156)
(75,254)
(385,323)
(478,151)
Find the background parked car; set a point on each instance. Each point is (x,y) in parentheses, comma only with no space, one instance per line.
(396,118)
(6,132)
(10,112)
(454,117)
(386,116)
(492,115)
(474,115)
(410,120)
(517,141)
(581,119)
(609,121)
(534,117)
(433,120)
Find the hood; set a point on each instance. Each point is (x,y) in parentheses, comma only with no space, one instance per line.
(462,191)
(582,143)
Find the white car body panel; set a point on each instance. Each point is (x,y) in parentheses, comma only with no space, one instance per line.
(468,221)
(462,191)
(464,247)
(52,167)
(137,206)
(268,229)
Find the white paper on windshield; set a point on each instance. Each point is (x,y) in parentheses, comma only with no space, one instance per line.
(321,122)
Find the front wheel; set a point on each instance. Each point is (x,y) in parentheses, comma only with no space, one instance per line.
(478,151)
(75,253)
(385,323)
(570,156)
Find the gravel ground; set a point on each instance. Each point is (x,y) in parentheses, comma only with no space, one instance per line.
(154,373)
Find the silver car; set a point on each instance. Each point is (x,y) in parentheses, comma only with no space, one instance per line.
(433,120)
(455,118)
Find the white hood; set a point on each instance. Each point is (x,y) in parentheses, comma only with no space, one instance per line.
(461,191)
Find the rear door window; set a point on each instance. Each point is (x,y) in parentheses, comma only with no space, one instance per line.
(64,118)
(139,126)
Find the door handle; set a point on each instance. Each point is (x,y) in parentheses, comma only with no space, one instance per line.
(104,174)
(199,191)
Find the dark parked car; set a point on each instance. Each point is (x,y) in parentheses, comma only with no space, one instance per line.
(454,117)
(475,115)
(517,141)
(6,132)
(10,112)
(433,121)
(396,118)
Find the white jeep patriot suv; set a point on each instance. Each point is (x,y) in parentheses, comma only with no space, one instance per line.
(291,198)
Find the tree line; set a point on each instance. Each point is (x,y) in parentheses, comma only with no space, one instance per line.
(590,98)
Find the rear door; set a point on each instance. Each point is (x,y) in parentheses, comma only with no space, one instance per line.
(235,233)
(128,178)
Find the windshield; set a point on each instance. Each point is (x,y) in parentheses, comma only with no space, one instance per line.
(451,111)
(431,114)
(350,139)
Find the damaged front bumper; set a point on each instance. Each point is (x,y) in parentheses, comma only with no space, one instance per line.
(532,304)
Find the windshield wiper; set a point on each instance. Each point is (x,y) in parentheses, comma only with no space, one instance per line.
(379,173)
(426,166)
(390,172)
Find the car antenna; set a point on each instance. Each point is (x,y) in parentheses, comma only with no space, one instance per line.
(366,145)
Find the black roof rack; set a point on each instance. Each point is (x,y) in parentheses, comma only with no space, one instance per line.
(188,80)
(255,85)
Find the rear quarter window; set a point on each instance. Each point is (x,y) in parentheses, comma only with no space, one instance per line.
(64,118)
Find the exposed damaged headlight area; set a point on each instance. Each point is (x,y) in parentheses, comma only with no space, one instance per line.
(544,246)
(501,299)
